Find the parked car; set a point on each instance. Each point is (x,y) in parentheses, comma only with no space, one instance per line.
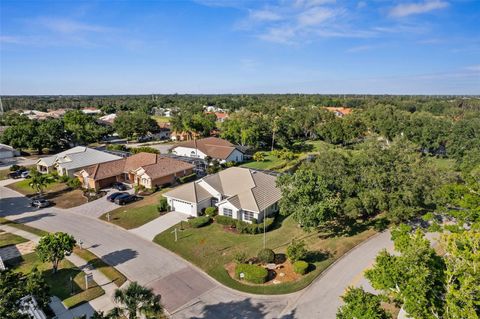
(111,197)
(119,186)
(25,174)
(17,174)
(40,203)
(122,200)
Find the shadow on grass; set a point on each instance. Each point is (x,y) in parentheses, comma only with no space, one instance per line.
(317,256)
(238,310)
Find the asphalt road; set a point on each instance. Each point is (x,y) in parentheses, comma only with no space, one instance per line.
(186,291)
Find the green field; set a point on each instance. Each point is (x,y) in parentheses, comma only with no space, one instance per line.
(25,189)
(59,282)
(211,247)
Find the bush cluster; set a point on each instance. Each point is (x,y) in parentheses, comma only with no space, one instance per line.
(74,183)
(253,273)
(296,250)
(266,255)
(198,222)
(187,178)
(211,211)
(243,227)
(163,205)
(300,267)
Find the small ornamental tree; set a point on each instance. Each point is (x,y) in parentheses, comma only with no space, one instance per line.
(266,255)
(259,157)
(54,247)
(360,304)
(163,205)
(296,250)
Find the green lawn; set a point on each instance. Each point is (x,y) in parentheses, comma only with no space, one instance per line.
(110,272)
(4,173)
(161,119)
(33,230)
(7,239)
(136,214)
(443,163)
(211,247)
(59,282)
(23,187)
(270,163)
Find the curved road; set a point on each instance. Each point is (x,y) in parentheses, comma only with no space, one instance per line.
(186,291)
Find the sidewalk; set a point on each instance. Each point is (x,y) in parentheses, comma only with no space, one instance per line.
(103,303)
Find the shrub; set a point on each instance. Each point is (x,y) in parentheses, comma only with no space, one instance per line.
(63,178)
(254,228)
(199,221)
(211,211)
(240,257)
(74,183)
(116,147)
(300,267)
(259,156)
(253,273)
(146,149)
(296,250)
(187,178)
(14,168)
(224,220)
(163,205)
(266,255)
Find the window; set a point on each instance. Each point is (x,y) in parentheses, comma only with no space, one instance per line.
(248,215)
(227,212)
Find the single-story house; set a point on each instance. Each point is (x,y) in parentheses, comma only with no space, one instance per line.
(240,193)
(339,111)
(213,147)
(73,160)
(146,169)
(6,151)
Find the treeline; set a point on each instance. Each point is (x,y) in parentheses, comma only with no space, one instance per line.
(253,102)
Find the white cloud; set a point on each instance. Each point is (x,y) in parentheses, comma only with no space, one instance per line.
(407,9)
(265,15)
(311,3)
(67,26)
(283,34)
(315,16)
(474,68)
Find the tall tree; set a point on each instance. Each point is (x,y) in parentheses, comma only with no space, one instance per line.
(39,181)
(136,302)
(54,247)
(360,304)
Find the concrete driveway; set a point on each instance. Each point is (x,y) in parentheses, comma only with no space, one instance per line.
(159,225)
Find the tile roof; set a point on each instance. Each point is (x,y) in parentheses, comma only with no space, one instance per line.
(79,156)
(245,188)
(155,166)
(212,146)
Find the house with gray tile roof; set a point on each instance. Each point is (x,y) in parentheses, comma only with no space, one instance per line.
(240,193)
(73,160)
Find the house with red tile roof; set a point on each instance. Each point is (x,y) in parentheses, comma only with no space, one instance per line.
(213,147)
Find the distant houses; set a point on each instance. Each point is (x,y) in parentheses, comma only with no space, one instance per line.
(212,147)
(339,111)
(6,151)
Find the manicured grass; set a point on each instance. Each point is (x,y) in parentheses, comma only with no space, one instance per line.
(211,247)
(23,187)
(138,213)
(270,163)
(33,230)
(161,119)
(7,239)
(59,282)
(110,272)
(4,173)
(443,163)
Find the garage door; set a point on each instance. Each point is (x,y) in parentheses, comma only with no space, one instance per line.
(182,207)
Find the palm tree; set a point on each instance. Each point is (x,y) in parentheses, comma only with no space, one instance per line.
(39,181)
(135,302)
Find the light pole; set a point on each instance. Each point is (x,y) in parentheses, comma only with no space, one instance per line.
(264,233)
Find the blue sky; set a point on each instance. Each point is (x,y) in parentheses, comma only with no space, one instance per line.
(230,46)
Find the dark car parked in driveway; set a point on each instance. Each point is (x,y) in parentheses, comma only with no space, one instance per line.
(119,186)
(112,197)
(125,199)
(17,173)
(40,203)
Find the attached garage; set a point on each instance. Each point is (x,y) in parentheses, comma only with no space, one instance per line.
(182,206)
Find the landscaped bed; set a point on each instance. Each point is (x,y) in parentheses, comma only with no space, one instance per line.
(214,246)
(138,213)
(59,282)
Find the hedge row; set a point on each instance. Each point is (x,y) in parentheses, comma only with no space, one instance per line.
(252,273)
(187,178)
(199,221)
(243,227)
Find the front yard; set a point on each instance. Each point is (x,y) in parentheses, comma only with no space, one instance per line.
(213,247)
(136,214)
(59,193)
(59,282)
(7,239)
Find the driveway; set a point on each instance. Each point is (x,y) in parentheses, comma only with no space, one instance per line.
(186,291)
(159,225)
(97,207)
